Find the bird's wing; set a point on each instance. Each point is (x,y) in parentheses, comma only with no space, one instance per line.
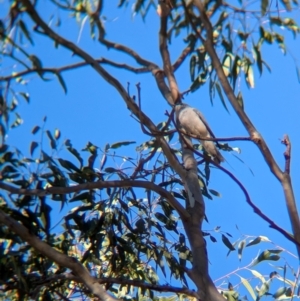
(200,115)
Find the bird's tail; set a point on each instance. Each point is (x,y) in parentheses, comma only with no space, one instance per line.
(211,148)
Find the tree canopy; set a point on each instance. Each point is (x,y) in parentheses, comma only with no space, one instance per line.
(132,219)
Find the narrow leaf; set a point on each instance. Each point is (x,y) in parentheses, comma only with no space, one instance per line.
(33,146)
(119,144)
(193,61)
(279,292)
(35,129)
(215,193)
(25,95)
(52,141)
(25,31)
(240,100)
(258,59)
(264,6)
(221,95)
(250,76)
(68,165)
(227,64)
(258,275)
(227,243)
(241,248)
(248,287)
(255,241)
(57,134)
(61,81)
(298,73)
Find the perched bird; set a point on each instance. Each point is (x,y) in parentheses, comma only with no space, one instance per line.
(194,123)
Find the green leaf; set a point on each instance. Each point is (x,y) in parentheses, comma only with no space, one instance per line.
(265,255)
(264,288)
(255,241)
(215,193)
(17,122)
(298,73)
(81,197)
(61,81)
(25,31)
(227,243)
(36,62)
(57,134)
(258,59)
(3,148)
(73,151)
(248,287)
(193,62)
(161,217)
(141,225)
(227,64)
(52,141)
(223,16)
(33,146)
(240,100)
(250,76)
(219,90)
(281,291)
(264,6)
(235,69)
(258,275)
(110,170)
(211,90)
(287,4)
(119,144)
(198,82)
(68,165)
(25,95)
(241,247)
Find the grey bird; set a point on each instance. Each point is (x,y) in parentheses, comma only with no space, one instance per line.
(194,123)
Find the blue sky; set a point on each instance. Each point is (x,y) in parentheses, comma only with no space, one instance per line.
(93,111)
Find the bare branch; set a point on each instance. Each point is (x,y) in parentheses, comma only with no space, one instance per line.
(181,58)
(74,66)
(98,185)
(163,47)
(136,283)
(58,257)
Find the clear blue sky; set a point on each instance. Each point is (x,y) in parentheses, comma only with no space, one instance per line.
(93,111)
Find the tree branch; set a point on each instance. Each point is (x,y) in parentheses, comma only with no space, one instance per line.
(163,47)
(186,51)
(255,136)
(199,273)
(99,185)
(74,66)
(58,257)
(272,224)
(136,283)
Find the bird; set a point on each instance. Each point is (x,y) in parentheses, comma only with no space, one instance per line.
(194,123)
